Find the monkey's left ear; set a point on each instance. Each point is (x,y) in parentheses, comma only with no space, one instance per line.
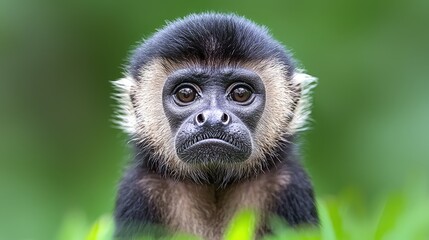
(125,117)
(305,83)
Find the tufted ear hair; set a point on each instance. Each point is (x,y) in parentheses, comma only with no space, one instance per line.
(125,117)
(305,83)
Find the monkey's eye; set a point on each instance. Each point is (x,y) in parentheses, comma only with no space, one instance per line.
(185,94)
(241,94)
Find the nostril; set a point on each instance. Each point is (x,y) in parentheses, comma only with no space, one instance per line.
(225,118)
(200,119)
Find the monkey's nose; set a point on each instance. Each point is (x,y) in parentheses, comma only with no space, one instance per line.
(212,118)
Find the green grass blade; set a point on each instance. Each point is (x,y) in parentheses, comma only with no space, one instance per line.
(327,228)
(242,226)
(102,229)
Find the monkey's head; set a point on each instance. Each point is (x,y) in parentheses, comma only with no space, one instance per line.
(211,96)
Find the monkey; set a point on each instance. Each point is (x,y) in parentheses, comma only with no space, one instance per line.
(213,106)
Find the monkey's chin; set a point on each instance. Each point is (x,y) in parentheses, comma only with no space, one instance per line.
(213,151)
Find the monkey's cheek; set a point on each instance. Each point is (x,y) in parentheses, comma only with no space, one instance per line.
(214,151)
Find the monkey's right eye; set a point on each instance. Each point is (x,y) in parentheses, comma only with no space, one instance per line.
(185,95)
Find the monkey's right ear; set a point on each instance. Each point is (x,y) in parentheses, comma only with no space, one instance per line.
(125,115)
(305,83)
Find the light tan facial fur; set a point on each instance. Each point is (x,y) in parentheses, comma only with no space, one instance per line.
(141,110)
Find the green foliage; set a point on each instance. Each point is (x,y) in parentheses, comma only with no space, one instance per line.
(242,226)
(102,229)
(403,215)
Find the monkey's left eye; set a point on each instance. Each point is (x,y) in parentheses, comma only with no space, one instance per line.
(241,94)
(185,95)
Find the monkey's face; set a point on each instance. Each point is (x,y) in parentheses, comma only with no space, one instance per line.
(213,113)
(212,123)
(212,98)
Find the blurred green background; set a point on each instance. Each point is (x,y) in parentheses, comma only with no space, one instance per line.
(59,152)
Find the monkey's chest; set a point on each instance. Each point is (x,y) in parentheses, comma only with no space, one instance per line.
(203,220)
(206,212)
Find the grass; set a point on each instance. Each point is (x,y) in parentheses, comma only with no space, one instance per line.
(402,215)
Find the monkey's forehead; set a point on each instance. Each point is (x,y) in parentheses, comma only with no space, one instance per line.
(209,39)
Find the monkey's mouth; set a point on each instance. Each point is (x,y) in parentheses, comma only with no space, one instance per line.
(211,138)
(213,147)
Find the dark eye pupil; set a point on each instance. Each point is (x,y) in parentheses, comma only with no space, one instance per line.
(241,94)
(186,95)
